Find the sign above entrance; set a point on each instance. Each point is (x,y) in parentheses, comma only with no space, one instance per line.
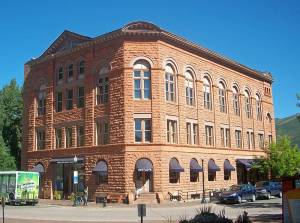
(66,160)
(75,177)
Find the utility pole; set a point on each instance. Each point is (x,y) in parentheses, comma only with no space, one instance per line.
(203,187)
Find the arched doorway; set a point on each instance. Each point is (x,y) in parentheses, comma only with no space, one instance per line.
(143,176)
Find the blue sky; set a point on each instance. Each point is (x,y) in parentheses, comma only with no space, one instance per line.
(261,34)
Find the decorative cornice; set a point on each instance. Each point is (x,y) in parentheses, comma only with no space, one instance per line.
(149,30)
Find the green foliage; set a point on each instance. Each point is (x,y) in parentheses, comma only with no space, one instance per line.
(298,104)
(7,162)
(283,159)
(57,195)
(289,126)
(11,108)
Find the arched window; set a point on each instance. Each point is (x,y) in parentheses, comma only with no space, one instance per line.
(207,93)
(195,168)
(81,69)
(142,79)
(258,107)
(60,74)
(41,102)
(70,71)
(101,172)
(170,84)
(227,170)
(269,118)
(174,171)
(103,86)
(236,101)
(189,89)
(222,97)
(212,169)
(248,104)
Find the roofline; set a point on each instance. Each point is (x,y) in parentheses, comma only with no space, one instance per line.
(152,30)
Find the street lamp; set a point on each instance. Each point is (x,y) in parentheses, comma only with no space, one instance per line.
(75,180)
(203,187)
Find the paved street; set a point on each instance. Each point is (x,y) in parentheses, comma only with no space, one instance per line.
(260,211)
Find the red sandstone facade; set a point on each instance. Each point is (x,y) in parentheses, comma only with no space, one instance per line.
(50,122)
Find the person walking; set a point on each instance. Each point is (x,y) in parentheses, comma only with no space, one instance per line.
(85,195)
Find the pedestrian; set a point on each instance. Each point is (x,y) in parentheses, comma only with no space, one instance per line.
(85,195)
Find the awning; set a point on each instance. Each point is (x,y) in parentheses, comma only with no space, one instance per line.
(144,165)
(195,167)
(228,166)
(246,162)
(212,166)
(38,168)
(101,168)
(66,160)
(174,166)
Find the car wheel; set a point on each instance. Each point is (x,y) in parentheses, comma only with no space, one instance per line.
(280,195)
(268,196)
(253,198)
(239,199)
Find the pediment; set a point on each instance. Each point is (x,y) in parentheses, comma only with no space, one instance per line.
(141,26)
(67,40)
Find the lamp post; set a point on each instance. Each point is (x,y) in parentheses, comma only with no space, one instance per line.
(203,187)
(75,180)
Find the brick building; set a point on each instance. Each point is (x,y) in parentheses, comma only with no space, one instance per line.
(139,110)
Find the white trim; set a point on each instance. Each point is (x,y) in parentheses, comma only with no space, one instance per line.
(224,126)
(249,130)
(194,121)
(238,128)
(135,59)
(172,117)
(209,123)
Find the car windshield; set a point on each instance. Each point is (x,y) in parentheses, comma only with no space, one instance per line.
(262,184)
(235,188)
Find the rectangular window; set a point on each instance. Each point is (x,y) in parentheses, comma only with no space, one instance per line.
(80,136)
(142,130)
(40,139)
(142,84)
(188,133)
(59,101)
(41,103)
(189,92)
(238,138)
(270,139)
(58,138)
(248,107)
(69,133)
(258,110)
(195,134)
(261,140)
(80,103)
(102,90)
(70,71)
(225,137)
(250,139)
(69,104)
(222,101)
(102,177)
(236,104)
(174,177)
(211,175)
(172,131)
(102,133)
(207,100)
(194,176)
(192,133)
(209,135)
(227,175)
(170,87)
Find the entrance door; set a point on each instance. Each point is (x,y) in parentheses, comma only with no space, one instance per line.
(143,181)
(147,181)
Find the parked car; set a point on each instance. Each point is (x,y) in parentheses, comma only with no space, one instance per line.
(266,189)
(238,193)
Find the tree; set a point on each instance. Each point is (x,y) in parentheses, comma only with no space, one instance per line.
(7,162)
(283,159)
(11,108)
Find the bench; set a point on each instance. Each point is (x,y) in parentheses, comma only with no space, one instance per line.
(174,197)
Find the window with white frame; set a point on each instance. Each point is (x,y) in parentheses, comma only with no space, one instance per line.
(41,105)
(40,139)
(59,101)
(209,135)
(81,69)
(102,132)
(248,104)
(238,138)
(189,89)
(222,97)
(80,136)
(69,133)
(236,101)
(250,139)
(102,90)
(170,84)
(60,74)
(225,137)
(192,133)
(70,71)
(142,129)
(207,99)
(258,107)
(142,80)
(261,140)
(80,98)
(172,131)
(58,138)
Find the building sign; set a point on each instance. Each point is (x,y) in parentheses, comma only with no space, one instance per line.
(75,177)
